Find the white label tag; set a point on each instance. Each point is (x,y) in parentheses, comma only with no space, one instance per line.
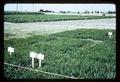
(40,56)
(33,54)
(10,49)
(109,33)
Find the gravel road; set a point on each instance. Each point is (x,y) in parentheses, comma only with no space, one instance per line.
(21,30)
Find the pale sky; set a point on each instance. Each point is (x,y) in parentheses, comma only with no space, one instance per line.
(61,7)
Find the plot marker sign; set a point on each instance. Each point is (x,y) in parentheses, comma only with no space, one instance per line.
(33,55)
(40,57)
(10,49)
(110,34)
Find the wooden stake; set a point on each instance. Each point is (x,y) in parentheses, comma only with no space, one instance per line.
(33,55)
(33,62)
(39,62)
(40,57)
(10,50)
(109,36)
(10,53)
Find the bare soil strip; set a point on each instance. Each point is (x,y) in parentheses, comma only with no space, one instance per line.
(22,30)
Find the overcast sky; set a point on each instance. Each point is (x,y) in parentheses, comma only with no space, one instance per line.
(61,7)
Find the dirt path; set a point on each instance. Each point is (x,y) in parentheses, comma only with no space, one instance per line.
(40,28)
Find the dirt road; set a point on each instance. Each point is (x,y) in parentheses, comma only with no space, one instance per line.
(21,30)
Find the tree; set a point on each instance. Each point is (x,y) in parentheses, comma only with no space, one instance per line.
(41,10)
(86,11)
(97,12)
(78,12)
(111,12)
(114,12)
(68,12)
(92,12)
(103,14)
(62,12)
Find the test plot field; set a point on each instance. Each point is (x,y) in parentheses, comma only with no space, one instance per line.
(81,53)
(32,17)
(59,41)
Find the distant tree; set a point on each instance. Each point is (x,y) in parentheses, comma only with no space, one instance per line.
(92,12)
(41,10)
(86,11)
(78,12)
(97,12)
(103,14)
(62,12)
(68,12)
(47,11)
(114,12)
(111,12)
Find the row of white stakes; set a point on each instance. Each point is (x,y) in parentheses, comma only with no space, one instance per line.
(38,56)
(32,55)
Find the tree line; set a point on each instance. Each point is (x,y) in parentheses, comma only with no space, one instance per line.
(86,12)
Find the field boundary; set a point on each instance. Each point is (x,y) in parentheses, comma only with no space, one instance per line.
(40,71)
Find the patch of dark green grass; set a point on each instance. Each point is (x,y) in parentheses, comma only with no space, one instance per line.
(31,17)
(66,53)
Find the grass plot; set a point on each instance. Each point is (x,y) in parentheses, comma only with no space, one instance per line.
(84,53)
(22,18)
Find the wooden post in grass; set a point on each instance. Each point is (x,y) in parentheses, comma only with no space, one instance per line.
(32,62)
(33,55)
(40,57)
(10,50)
(110,34)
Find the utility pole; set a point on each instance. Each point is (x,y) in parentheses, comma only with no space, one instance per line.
(33,7)
(36,7)
(21,7)
(17,8)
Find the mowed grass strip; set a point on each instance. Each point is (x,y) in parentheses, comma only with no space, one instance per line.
(66,53)
(21,18)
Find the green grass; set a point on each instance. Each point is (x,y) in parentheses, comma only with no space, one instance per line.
(33,17)
(66,53)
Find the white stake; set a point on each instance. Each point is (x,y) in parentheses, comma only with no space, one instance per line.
(110,34)
(33,55)
(10,53)
(10,50)
(40,57)
(39,63)
(33,62)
